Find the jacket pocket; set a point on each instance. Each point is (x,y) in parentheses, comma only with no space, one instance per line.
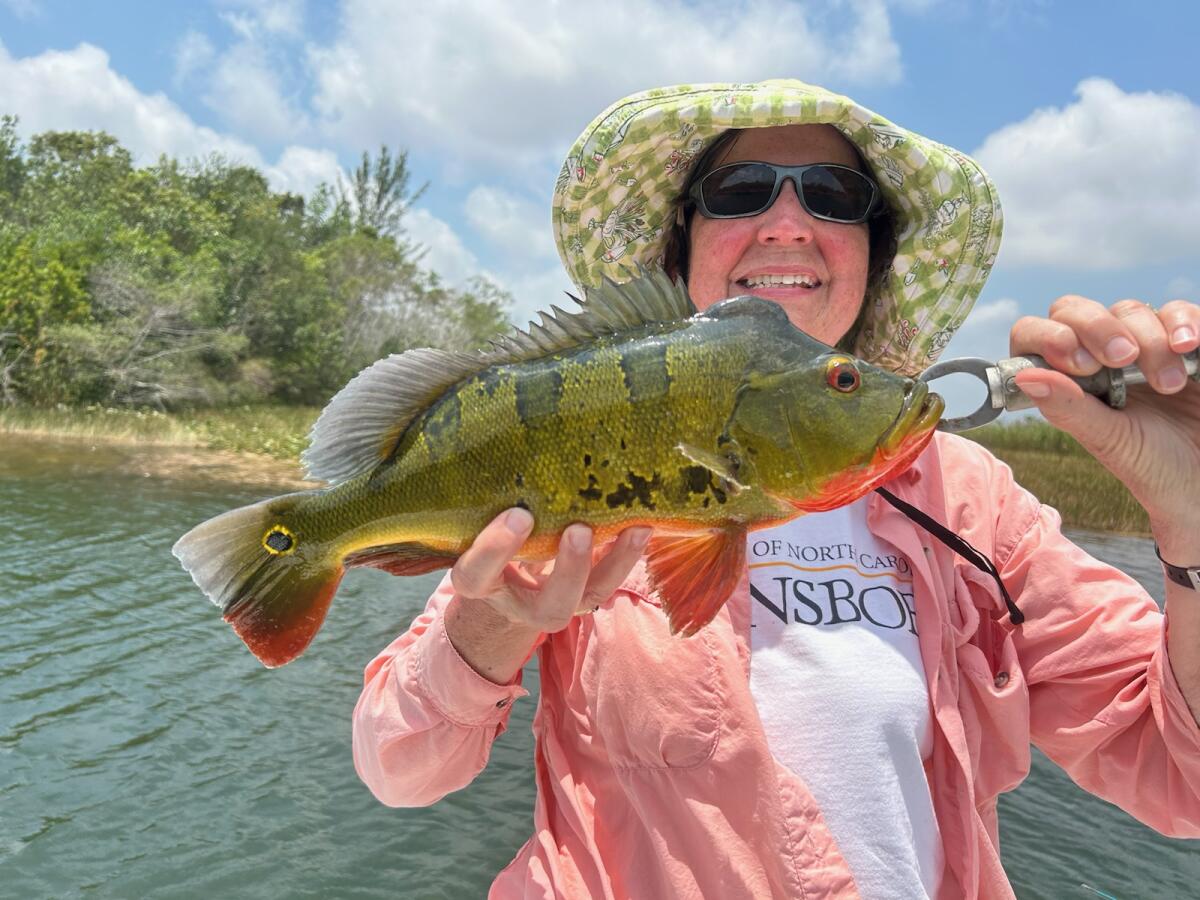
(656,701)
(993,696)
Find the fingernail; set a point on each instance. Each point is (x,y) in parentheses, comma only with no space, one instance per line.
(1083,359)
(1119,350)
(518,520)
(1037,390)
(639,537)
(1182,334)
(579,537)
(1171,379)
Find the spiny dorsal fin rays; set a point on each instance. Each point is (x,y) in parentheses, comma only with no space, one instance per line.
(608,309)
(362,423)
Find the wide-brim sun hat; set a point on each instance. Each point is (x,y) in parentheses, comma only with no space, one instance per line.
(618,191)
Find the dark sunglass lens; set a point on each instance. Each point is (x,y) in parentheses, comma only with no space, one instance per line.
(842,195)
(738,190)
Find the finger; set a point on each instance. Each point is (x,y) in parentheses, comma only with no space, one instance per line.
(476,572)
(1182,322)
(559,598)
(1101,332)
(1162,367)
(1056,342)
(611,571)
(1064,405)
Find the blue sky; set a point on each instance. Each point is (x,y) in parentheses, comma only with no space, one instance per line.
(1088,121)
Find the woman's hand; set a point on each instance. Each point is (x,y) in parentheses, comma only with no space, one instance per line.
(1153,445)
(543,596)
(501,606)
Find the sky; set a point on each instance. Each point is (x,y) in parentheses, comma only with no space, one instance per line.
(1087,120)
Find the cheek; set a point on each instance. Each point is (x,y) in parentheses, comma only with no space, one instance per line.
(847,252)
(716,246)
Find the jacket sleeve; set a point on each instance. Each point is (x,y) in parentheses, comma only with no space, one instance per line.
(1104,704)
(425,721)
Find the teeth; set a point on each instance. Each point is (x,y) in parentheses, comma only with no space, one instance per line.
(807,281)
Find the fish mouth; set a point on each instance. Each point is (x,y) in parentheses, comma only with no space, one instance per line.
(921,411)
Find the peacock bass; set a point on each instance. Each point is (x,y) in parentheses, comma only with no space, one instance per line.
(635,411)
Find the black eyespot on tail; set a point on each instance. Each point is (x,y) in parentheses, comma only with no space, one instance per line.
(279,541)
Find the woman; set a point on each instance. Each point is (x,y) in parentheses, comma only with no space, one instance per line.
(845,724)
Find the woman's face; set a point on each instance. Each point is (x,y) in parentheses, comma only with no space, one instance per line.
(731,257)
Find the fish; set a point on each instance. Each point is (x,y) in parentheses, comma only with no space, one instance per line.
(636,410)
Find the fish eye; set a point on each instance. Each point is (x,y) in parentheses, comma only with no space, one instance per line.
(842,375)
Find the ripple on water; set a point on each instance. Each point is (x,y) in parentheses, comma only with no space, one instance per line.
(145,753)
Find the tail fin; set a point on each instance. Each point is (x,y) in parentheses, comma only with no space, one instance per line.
(272,589)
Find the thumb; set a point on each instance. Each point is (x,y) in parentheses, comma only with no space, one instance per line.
(1065,405)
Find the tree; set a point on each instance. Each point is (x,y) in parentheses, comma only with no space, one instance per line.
(197,283)
(380,192)
(12,166)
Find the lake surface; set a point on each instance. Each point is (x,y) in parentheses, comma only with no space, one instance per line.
(145,753)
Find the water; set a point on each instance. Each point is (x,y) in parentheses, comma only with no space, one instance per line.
(145,753)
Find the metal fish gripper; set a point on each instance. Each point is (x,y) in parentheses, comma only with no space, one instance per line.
(1003,395)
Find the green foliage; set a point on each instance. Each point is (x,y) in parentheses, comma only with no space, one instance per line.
(188,285)
(37,290)
(381,194)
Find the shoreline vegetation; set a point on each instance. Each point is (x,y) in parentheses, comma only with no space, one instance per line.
(1044,460)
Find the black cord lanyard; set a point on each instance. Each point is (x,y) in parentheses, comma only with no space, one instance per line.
(957,544)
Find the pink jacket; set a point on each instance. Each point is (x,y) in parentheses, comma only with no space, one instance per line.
(654,777)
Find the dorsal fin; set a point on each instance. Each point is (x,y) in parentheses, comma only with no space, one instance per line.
(362,423)
(608,309)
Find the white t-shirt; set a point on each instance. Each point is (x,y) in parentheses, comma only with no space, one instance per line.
(836,673)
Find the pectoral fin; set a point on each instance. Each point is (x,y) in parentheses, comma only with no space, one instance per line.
(725,466)
(694,574)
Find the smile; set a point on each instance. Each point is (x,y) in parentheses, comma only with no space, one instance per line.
(755,281)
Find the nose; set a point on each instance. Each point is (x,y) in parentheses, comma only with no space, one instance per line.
(786,221)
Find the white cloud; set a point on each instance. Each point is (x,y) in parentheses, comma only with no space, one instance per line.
(78,90)
(250,18)
(246,93)
(518,81)
(985,333)
(1003,312)
(445,252)
(193,52)
(518,226)
(1109,181)
(536,291)
(301,169)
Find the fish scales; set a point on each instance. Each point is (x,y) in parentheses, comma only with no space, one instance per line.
(566,418)
(702,426)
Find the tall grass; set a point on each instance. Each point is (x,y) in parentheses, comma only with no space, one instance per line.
(277,431)
(1056,469)
(1045,460)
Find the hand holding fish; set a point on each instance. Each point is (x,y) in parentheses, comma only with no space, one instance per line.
(502,606)
(1153,445)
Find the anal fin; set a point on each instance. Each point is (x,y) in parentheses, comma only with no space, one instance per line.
(694,574)
(401,559)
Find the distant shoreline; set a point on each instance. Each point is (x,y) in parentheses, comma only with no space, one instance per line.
(252,446)
(262,445)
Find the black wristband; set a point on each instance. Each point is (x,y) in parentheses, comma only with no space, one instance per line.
(1188,577)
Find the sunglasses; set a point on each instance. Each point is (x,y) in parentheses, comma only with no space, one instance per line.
(827,191)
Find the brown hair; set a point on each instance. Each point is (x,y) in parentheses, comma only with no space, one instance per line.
(881,229)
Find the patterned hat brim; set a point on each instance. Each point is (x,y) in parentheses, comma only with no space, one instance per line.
(615,200)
